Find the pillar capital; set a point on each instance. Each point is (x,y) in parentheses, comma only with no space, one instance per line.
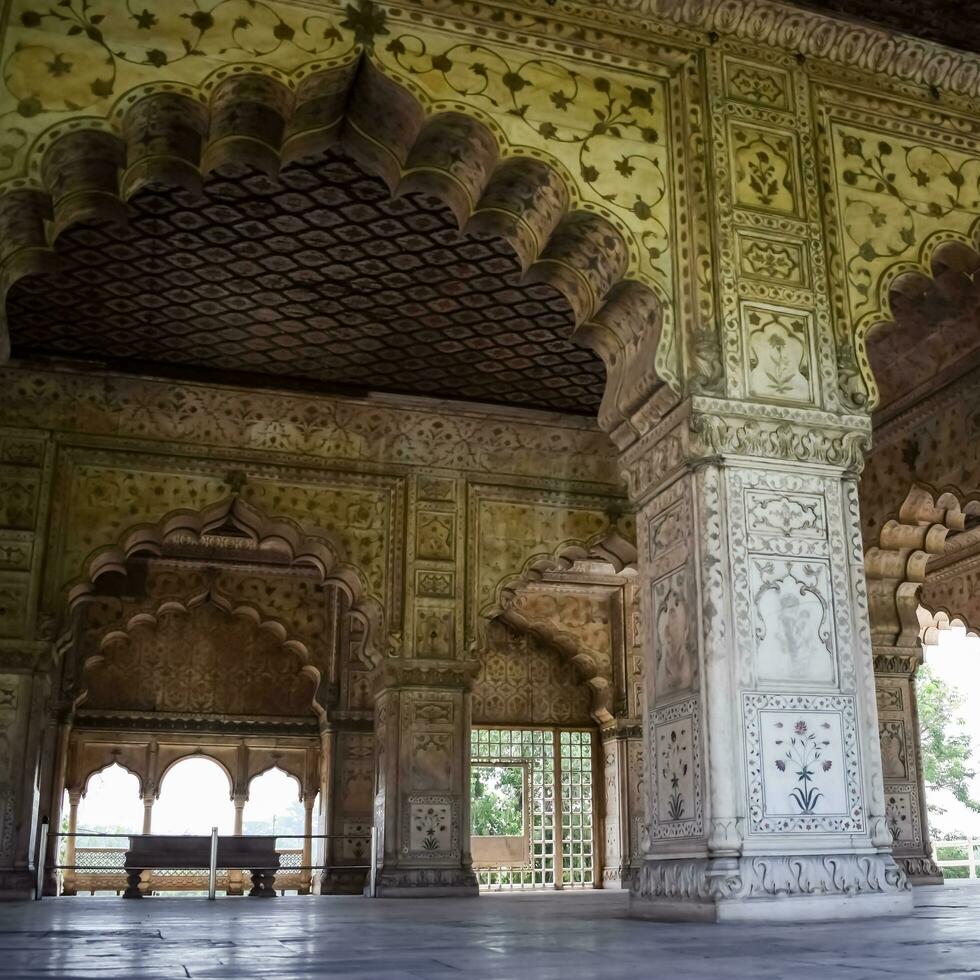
(701,429)
(394,674)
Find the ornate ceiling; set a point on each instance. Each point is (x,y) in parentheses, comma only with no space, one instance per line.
(318,277)
(952,22)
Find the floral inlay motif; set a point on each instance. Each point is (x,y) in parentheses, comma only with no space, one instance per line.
(802,763)
(803,753)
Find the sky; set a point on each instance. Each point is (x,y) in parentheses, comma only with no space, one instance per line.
(956,660)
(194,797)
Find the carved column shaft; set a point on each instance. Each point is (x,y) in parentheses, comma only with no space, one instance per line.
(236,884)
(764,768)
(623,811)
(68,876)
(906,812)
(422,807)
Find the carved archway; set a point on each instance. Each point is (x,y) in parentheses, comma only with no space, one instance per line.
(233,529)
(126,633)
(605,257)
(554,600)
(930,526)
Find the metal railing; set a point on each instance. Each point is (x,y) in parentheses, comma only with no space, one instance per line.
(103,868)
(969,845)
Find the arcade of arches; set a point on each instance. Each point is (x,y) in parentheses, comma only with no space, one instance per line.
(382,380)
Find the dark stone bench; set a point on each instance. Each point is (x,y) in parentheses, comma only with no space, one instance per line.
(256,854)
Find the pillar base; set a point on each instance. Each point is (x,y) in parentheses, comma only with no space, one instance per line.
(339,882)
(16,885)
(427,883)
(771,888)
(920,869)
(617,879)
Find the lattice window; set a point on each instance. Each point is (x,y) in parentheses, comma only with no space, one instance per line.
(570,782)
(576,808)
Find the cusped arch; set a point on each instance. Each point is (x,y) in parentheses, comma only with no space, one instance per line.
(609,546)
(251,116)
(943,271)
(276,541)
(85,778)
(282,766)
(896,567)
(151,619)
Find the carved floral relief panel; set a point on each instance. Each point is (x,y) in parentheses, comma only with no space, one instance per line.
(791,580)
(756,84)
(793,617)
(676,739)
(770,257)
(902,815)
(765,169)
(779,346)
(674,605)
(894,749)
(432,827)
(802,763)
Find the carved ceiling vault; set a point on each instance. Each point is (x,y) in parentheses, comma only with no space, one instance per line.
(952,22)
(317,277)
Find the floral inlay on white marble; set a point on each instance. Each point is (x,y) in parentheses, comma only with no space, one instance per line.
(802,764)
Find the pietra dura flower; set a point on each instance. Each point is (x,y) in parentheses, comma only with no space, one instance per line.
(802,756)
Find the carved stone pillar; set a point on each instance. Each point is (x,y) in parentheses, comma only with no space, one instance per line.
(421,804)
(24,770)
(901,763)
(765,797)
(68,877)
(235,879)
(307,876)
(348,755)
(623,816)
(148,802)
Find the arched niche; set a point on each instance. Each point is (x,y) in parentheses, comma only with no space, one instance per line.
(227,556)
(200,659)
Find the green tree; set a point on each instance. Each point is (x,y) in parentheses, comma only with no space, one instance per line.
(497,800)
(947,748)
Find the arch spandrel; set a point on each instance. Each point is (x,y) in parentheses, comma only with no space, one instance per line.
(905,181)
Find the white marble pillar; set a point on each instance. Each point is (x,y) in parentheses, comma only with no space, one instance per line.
(765,796)
(906,813)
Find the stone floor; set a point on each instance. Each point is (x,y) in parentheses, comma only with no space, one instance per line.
(504,937)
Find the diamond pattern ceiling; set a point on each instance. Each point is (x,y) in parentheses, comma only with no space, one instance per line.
(316,277)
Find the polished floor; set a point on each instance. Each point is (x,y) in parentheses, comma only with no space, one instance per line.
(496,937)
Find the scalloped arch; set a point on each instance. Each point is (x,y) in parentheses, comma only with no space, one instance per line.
(896,567)
(87,777)
(85,169)
(277,540)
(942,251)
(607,545)
(151,619)
(276,764)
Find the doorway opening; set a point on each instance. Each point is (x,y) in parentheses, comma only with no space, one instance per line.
(532,815)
